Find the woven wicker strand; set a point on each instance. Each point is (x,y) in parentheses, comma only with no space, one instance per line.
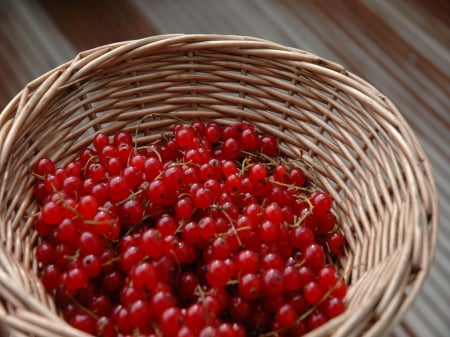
(354,141)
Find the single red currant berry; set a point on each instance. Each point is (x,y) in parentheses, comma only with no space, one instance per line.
(190,233)
(114,166)
(301,237)
(203,198)
(217,274)
(131,212)
(92,265)
(140,313)
(269,145)
(185,137)
(335,243)
(214,186)
(52,213)
(292,278)
(273,213)
(100,141)
(112,282)
(100,305)
(209,331)
(239,309)
(326,277)
(130,257)
(86,155)
(286,315)
(314,256)
(118,188)
(231,148)
(44,167)
(121,318)
(297,176)
(84,322)
(187,285)
(73,168)
(157,191)
(52,183)
(249,140)
(271,261)
(250,286)
(171,322)
(152,243)
(321,202)
(144,276)
(340,289)
(195,317)
(105,327)
(184,208)
(76,279)
(133,176)
(64,252)
(173,177)
(122,137)
(185,332)
(50,277)
(268,231)
(96,172)
(161,301)
(137,160)
(233,184)
(88,206)
(220,249)
(152,168)
(273,282)
(326,222)
(333,307)
(306,275)
(190,175)
(213,133)
(45,253)
(90,243)
(100,193)
(316,319)
(247,261)
(313,292)
(207,226)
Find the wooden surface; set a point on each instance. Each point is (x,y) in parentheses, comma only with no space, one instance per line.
(402,47)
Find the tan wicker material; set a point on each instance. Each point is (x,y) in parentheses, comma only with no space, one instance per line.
(355,140)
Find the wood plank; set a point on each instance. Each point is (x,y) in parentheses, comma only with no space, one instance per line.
(30,45)
(88,24)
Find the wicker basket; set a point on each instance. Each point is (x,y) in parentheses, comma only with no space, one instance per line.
(363,151)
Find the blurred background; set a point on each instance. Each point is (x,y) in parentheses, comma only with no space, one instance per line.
(401,46)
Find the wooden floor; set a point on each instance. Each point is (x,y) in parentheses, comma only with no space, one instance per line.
(400,46)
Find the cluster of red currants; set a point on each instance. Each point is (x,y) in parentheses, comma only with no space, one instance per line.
(206,232)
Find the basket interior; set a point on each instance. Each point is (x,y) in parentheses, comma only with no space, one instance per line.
(349,137)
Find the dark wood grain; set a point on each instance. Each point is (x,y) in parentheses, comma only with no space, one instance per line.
(88,24)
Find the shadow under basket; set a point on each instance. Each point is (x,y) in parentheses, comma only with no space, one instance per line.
(353,138)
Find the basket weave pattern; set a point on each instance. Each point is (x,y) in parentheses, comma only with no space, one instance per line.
(362,152)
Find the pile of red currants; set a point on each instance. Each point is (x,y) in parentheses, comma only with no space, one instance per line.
(206,232)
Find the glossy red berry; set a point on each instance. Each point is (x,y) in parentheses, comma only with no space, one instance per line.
(321,202)
(273,282)
(44,167)
(250,286)
(144,276)
(84,322)
(217,274)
